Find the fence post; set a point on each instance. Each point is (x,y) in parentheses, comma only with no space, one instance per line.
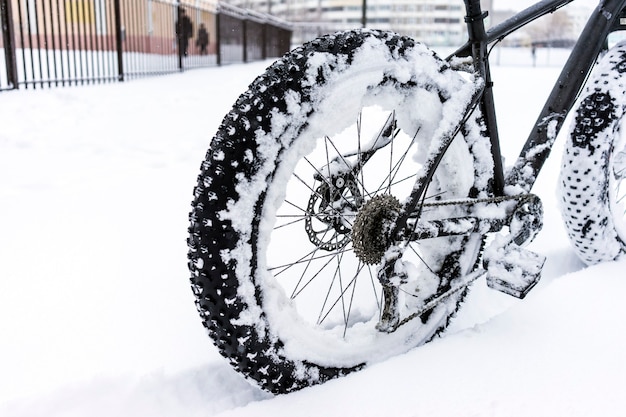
(264,44)
(244,29)
(8,37)
(218,38)
(119,40)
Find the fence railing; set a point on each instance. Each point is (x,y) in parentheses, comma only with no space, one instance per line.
(48,43)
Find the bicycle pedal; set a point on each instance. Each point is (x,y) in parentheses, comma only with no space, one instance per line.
(512,269)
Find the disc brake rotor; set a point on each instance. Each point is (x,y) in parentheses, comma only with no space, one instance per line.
(334,207)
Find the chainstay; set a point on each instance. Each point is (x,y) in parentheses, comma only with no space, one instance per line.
(473,201)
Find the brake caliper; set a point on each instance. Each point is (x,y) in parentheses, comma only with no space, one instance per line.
(334,204)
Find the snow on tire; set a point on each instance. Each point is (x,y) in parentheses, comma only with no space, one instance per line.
(594,164)
(263,196)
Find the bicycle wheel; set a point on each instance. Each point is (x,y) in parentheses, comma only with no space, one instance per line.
(335,128)
(594,165)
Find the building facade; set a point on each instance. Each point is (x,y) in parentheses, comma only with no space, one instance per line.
(434,22)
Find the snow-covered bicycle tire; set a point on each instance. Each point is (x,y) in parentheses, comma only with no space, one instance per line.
(593,164)
(242,180)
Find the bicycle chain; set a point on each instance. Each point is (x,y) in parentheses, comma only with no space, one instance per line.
(435,301)
(469,202)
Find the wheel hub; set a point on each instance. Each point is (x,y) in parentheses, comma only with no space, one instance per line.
(371,232)
(331,205)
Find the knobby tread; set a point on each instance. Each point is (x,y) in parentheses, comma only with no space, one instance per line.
(214,283)
(233,158)
(584,183)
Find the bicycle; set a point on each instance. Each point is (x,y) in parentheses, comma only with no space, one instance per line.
(343,208)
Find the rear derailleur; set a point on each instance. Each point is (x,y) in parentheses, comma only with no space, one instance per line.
(509,268)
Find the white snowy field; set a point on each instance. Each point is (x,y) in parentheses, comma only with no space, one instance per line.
(97,318)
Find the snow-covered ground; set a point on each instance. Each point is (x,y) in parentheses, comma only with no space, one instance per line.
(97,319)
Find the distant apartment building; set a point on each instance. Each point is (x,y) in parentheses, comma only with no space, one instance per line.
(434,22)
(563,26)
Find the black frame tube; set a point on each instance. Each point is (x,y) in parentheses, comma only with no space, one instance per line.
(478,42)
(565,91)
(569,84)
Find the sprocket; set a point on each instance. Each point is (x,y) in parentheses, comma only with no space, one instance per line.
(371,233)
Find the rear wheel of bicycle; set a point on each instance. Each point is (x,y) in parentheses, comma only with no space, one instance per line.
(336,128)
(592,186)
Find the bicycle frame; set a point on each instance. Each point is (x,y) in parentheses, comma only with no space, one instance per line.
(564,93)
(517,183)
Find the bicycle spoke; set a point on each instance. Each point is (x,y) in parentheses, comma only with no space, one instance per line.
(343,197)
(298,220)
(359,159)
(359,151)
(345,329)
(360,156)
(299,208)
(397,165)
(319,319)
(296,293)
(378,302)
(321,197)
(382,187)
(328,271)
(310,260)
(391,145)
(304,259)
(343,305)
(340,297)
(308,186)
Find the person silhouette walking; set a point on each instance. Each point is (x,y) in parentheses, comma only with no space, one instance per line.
(184,31)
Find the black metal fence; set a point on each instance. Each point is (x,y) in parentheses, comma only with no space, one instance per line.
(49,43)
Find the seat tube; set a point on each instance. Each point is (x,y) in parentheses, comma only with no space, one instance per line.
(475,20)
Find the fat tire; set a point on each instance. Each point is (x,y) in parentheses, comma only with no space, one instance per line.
(230,293)
(588,179)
